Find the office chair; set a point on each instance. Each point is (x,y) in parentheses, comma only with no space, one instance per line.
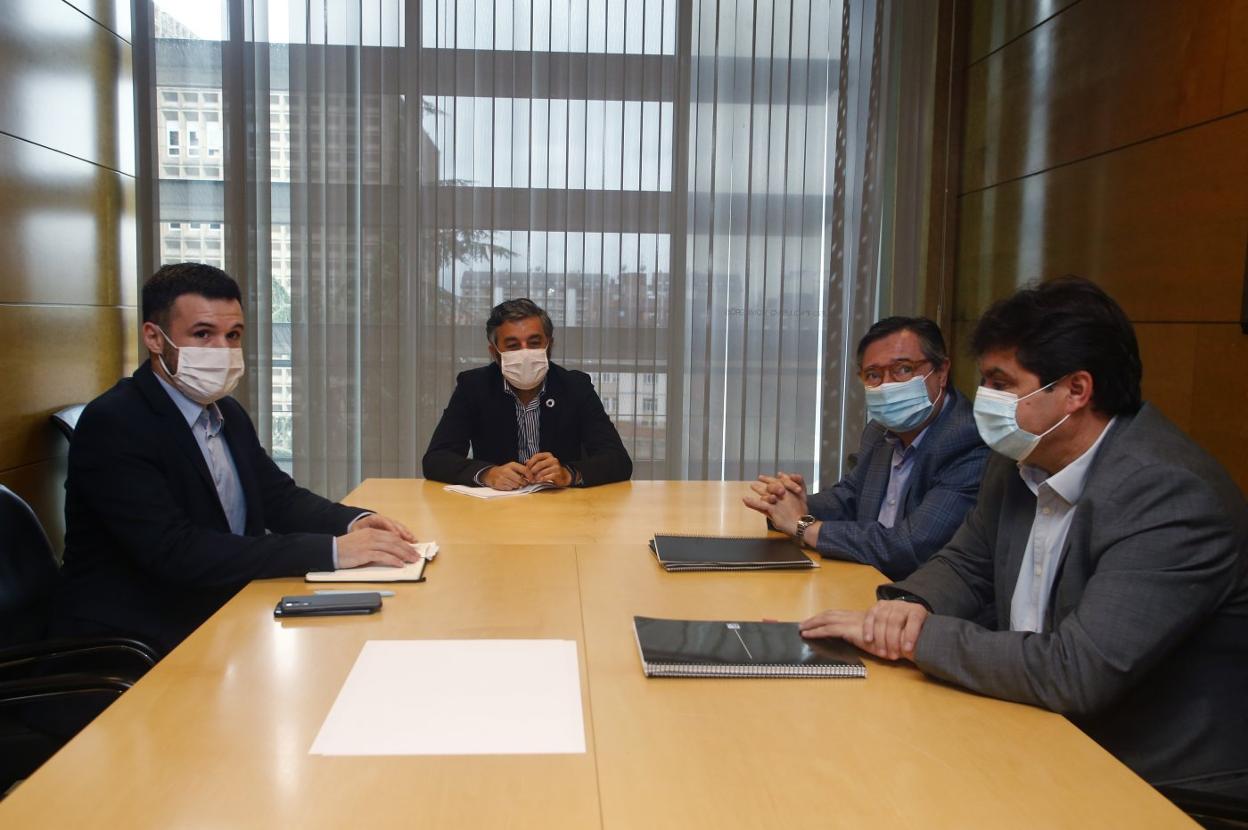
(67,419)
(44,684)
(1210,810)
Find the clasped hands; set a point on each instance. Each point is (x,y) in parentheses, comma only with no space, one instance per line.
(781,498)
(541,467)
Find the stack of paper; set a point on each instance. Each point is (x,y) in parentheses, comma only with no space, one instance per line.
(491,493)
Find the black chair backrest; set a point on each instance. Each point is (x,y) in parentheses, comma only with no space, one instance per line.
(28,572)
(66,420)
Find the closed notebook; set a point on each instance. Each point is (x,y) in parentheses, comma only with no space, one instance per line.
(717,553)
(703,648)
(414,572)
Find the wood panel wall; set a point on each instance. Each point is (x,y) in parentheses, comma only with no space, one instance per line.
(68,273)
(1109,139)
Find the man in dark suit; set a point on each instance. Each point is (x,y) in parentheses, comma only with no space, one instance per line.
(1114,549)
(919,464)
(171,504)
(524,419)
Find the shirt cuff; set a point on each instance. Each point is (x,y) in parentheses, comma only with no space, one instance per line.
(477,477)
(350,525)
(577,479)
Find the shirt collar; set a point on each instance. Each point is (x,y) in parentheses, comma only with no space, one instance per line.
(1069,481)
(540,392)
(191,410)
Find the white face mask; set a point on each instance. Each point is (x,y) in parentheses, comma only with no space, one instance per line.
(996,417)
(205,374)
(524,368)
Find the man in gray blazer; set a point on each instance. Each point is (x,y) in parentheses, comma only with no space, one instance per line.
(919,463)
(1114,548)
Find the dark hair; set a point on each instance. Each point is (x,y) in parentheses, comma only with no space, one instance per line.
(1063,326)
(931,341)
(164,287)
(522,308)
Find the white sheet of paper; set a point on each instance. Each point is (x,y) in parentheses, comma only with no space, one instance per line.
(458,697)
(491,493)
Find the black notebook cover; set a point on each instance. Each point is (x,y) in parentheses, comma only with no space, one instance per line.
(715,553)
(704,648)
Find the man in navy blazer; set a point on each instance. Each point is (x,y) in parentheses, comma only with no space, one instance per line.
(919,464)
(171,504)
(524,419)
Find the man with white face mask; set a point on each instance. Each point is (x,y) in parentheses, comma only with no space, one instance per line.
(522,419)
(919,463)
(1113,549)
(171,504)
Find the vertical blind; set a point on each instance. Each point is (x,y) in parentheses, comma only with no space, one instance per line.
(689,187)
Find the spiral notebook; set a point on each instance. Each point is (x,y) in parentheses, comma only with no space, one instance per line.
(719,553)
(705,648)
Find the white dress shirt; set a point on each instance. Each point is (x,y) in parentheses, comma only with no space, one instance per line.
(1057,498)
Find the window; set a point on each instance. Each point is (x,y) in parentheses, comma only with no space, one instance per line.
(192,139)
(172,136)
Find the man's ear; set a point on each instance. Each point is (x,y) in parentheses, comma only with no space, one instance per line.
(493,351)
(1081,389)
(153,341)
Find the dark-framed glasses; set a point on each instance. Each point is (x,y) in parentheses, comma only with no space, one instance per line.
(899,371)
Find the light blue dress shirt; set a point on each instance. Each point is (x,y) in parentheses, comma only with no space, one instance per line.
(206,423)
(900,467)
(1057,497)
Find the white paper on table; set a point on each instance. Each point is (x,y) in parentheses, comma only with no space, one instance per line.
(380,573)
(458,697)
(491,493)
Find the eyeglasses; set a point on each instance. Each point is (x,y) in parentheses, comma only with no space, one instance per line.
(899,371)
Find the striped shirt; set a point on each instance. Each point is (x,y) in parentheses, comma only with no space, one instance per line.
(528,422)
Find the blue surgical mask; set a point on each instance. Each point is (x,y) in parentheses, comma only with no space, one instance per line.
(899,407)
(996,417)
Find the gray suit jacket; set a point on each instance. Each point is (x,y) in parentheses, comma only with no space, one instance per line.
(948,465)
(1145,645)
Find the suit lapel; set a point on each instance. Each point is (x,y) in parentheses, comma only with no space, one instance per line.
(502,416)
(176,428)
(1018,513)
(247,478)
(547,416)
(875,483)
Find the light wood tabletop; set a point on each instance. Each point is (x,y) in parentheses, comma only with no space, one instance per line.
(218,734)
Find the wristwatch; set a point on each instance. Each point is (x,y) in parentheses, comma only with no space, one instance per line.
(803,522)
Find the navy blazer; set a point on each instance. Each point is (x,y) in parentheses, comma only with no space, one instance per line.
(942,487)
(482,417)
(148,548)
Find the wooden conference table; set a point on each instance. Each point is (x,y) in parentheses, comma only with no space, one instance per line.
(217,735)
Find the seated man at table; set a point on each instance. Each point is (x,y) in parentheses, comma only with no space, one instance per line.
(1114,548)
(919,463)
(523,419)
(171,504)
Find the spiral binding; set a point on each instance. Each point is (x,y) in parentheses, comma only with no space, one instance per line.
(755,670)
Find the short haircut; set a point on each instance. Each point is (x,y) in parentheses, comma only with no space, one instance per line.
(509,311)
(931,341)
(1062,326)
(164,287)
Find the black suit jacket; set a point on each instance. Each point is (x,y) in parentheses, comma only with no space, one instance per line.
(573,427)
(148,549)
